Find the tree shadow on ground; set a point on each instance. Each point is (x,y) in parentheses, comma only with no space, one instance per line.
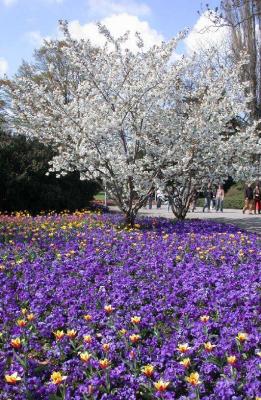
(252,224)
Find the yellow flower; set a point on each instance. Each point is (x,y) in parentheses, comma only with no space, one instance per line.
(13,378)
(21,323)
(231,360)
(106,347)
(87,338)
(135,319)
(134,338)
(161,385)
(24,311)
(242,337)
(122,331)
(183,347)
(108,308)
(57,378)
(58,334)
(209,346)
(87,317)
(193,379)
(71,333)
(147,370)
(16,343)
(30,317)
(105,363)
(186,362)
(204,318)
(85,356)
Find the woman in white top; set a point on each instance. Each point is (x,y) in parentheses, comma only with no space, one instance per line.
(220,198)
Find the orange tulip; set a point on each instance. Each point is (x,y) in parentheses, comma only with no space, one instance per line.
(105,363)
(13,378)
(147,370)
(16,343)
(161,385)
(57,378)
(193,379)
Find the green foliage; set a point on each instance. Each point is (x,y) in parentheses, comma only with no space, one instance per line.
(234,198)
(25,186)
(234,203)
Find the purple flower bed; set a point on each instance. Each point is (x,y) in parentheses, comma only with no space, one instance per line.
(92,311)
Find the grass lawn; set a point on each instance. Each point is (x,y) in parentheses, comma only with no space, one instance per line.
(100,196)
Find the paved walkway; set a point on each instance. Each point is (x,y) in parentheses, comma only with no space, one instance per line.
(230,216)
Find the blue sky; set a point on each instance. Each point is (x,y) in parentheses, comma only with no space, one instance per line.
(24,23)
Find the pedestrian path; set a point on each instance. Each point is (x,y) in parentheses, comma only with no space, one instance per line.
(230,216)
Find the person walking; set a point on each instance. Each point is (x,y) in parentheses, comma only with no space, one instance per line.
(249,196)
(159,198)
(220,198)
(213,199)
(208,196)
(150,199)
(194,198)
(257,199)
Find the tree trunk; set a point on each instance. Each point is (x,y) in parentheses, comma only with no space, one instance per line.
(180,204)
(180,213)
(130,217)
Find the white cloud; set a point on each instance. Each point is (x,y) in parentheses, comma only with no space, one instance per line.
(9,2)
(102,8)
(3,66)
(205,35)
(117,25)
(35,38)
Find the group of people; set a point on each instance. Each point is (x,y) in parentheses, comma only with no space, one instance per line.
(213,199)
(159,197)
(252,199)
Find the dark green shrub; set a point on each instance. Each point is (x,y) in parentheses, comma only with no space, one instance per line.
(25,186)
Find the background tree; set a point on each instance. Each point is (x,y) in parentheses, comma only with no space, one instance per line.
(243,17)
(243,20)
(52,69)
